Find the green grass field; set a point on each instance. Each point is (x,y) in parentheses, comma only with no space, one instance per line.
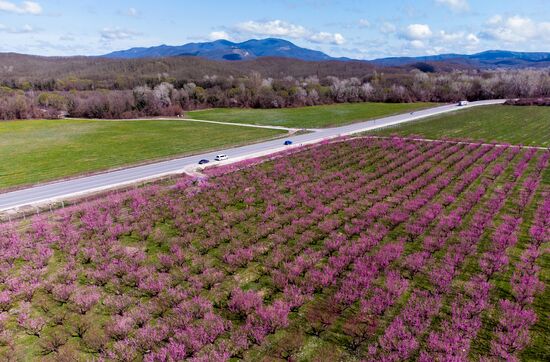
(517,125)
(308,117)
(41,150)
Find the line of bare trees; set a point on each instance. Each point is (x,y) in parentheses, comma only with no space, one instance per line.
(255,91)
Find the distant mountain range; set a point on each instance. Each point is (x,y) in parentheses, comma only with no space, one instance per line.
(489,58)
(273,47)
(227,50)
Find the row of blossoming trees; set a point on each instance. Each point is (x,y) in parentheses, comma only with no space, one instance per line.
(373,249)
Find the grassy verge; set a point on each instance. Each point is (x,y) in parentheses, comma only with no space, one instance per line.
(42,150)
(308,117)
(517,125)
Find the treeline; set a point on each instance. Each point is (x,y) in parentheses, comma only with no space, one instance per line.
(171,98)
(529,102)
(27,72)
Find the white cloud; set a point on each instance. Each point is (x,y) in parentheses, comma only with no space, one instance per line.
(133,12)
(455,5)
(108,34)
(495,19)
(417,32)
(327,38)
(450,37)
(459,39)
(273,28)
(26,7)
(67,37)
(217,35)
(388,28)
(364,23)
(420,39)
(25,29)
(280,28)
(418,44)
(516,29)
(472,38)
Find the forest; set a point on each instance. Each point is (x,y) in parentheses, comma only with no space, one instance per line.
(89,87)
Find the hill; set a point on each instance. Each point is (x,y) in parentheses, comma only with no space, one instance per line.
(486,59)
(227,50)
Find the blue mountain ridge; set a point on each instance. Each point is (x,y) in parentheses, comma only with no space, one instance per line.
(227,50)
(273,47)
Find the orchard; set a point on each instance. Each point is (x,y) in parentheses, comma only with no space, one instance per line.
(363,249)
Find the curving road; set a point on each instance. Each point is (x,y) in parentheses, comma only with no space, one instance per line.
(51,192)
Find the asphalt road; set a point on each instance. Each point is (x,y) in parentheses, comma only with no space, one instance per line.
(56,191)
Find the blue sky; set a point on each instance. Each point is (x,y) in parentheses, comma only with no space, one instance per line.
(359,29)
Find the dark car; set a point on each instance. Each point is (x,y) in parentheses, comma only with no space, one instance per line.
(203,161)
(288,142)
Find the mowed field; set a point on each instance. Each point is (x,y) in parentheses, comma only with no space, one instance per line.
(367,249)
(308,117)
(529,126)
(41,150)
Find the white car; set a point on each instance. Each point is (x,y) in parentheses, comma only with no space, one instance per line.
(462,103)
(221,157)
